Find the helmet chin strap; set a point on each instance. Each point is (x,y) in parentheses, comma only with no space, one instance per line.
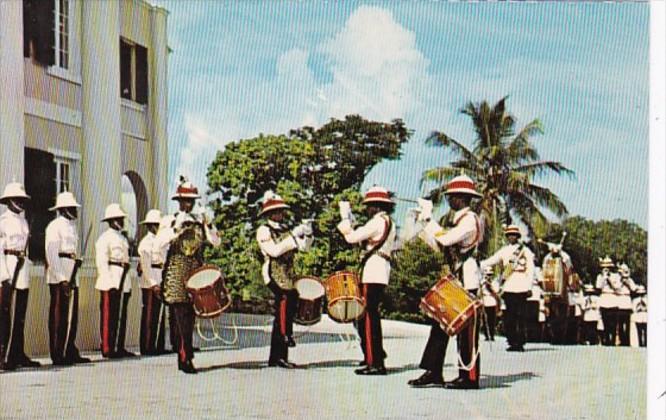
(16,206)
(116,224)
(69,213)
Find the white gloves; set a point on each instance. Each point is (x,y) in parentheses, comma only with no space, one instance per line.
(299,231)
(345,210)
(425,210)
(304,242)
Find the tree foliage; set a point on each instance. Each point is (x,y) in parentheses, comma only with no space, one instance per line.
(312,169)
(504,162)
(587,241)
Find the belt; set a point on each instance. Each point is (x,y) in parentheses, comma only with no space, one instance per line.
(117,263)
(70,255)
(157,265)
(14,252)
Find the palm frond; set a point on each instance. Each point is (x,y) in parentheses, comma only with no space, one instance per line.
(539,168)
(440,139)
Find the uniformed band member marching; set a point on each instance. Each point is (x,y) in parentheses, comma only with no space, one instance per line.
(183,240)
(558,306)
(590,315)
(517,261)
(463,237)
(151,263)
(113,282)
(378,238)
(278,246)
(14,277)
(491,303)
(607,283)
(62,263)
(640,315)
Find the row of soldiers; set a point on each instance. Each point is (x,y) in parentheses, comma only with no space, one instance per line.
(112,261)
(583,323)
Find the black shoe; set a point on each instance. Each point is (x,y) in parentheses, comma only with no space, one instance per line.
(428,378)
(62,362)
(460,383)
(371,370)
(9,365)
(77,359)
(515,348)
(196,349)
(363,363)
(124,353)
(25,361)
(161,352)
(290,341)
(282,363)
(187,367)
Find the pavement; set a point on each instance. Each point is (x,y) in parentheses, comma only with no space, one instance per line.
(234,381)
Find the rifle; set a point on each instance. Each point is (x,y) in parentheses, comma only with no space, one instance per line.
(20,261)
(72,284)
(126,268)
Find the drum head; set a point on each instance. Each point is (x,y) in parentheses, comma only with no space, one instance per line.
(203,278)
(309,288)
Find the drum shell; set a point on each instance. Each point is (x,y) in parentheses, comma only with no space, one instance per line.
(448,303)
(308,311)
(211,300)
(345,300)
(554,278)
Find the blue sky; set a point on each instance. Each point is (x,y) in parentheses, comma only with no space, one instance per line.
(241,68)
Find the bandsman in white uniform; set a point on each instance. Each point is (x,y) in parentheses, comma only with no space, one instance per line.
(113,282)
(278,246)
(461,239)
(182,239)
(607,284)
(14,266)
(558,306)
(624,306)
(378,238)
(591,315)
(62,264)
(640,315)
(151,264)
(517,261)
(491,302)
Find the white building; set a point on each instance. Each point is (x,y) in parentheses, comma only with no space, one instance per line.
(83,107)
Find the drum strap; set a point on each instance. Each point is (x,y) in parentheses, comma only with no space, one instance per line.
(388,225)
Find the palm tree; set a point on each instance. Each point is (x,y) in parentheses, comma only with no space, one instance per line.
(503,163)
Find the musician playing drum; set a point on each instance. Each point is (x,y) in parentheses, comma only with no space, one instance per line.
(278,246)
(462,239)
(378,237)
(184,236)
(558,305)
(518,262)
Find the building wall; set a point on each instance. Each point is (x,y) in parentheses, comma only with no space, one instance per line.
(63,116)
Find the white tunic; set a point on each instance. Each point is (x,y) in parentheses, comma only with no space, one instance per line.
(377,268)
(14,232)
(623,293)
(640,315)
(537,293)
(466,234)
(521,259)
(608,284)
(169,231)
(111,246)
(591,308)
(488,298)
(272,249)
(150,276)
(61,237)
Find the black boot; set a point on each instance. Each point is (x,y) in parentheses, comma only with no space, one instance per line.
(187,367)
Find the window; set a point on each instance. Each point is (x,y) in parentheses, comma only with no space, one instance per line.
(133,72)
(40,173)
(38,30)
(62,176)
(61,29)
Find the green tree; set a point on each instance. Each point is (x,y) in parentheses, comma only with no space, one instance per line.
(504,163)
(312,169)
(587,241)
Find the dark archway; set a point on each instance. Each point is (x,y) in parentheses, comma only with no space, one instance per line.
(135,202)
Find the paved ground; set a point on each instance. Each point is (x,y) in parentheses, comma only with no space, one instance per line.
(545,382)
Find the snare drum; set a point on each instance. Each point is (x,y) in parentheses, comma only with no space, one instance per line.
(554,278)
(310,299)
(206,289)
(448,303)
(345,301)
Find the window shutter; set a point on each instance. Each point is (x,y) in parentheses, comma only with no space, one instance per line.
(125,70)
(141,74)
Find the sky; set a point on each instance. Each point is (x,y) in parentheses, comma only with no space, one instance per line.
(238,69)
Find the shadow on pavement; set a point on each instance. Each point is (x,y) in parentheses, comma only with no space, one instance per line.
(505,381)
